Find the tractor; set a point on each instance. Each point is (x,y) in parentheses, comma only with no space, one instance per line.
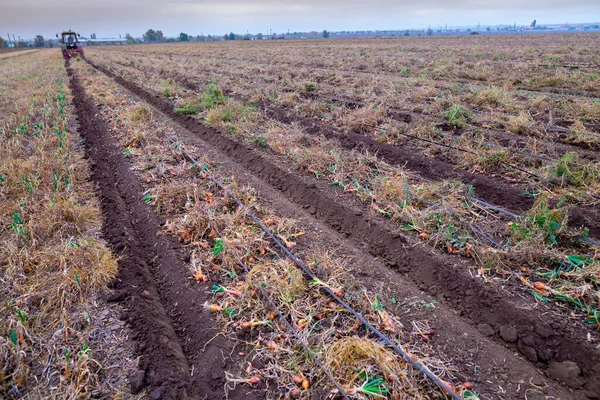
(70,45)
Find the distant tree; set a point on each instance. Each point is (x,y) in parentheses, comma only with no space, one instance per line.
(184,37)
(407,33)
(596,26)
(259,36)
(225,37)
(534,23)
(488,29)
(129,39)
(429,32)
(39,41)
(232,36)
(325,34)
(3,43)
(150,36)
(49,43)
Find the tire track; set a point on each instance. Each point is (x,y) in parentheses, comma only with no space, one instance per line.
(163,308)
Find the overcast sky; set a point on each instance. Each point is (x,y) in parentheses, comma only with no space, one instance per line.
(109,18)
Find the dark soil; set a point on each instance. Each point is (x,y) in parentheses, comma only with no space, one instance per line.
(163,308)
(492,189)
(541,340)
(493,368)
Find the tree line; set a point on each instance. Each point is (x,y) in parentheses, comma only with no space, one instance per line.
(152,36)
(38,42)
(157,36)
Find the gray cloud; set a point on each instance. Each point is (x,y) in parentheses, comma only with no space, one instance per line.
(108,18)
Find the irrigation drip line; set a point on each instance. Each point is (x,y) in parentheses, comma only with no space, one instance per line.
(493,207)
(308,272)
(473,227)
(476,200)
(557,128)
(589,240)
(467,151)
(282,318)
(511,214)
(502,211)
(524,153)
(493,146)
(489,239)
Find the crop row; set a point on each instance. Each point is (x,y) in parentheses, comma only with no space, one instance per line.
(393,192)
(229,252)
(57,337)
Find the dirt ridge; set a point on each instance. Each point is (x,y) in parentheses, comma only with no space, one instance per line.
(163,307)
(539,340)
(496,191)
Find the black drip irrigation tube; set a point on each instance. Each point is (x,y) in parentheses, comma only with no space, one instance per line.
(475,199)
(422,200)
(537,177)
(471,226)
(524,153)
(421,368)
(461,149)
(493,146)
(513,215)
(556,128)
(282,318)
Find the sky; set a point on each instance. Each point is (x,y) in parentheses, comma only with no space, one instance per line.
(109,18)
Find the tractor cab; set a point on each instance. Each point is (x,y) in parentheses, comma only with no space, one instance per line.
(70,45)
